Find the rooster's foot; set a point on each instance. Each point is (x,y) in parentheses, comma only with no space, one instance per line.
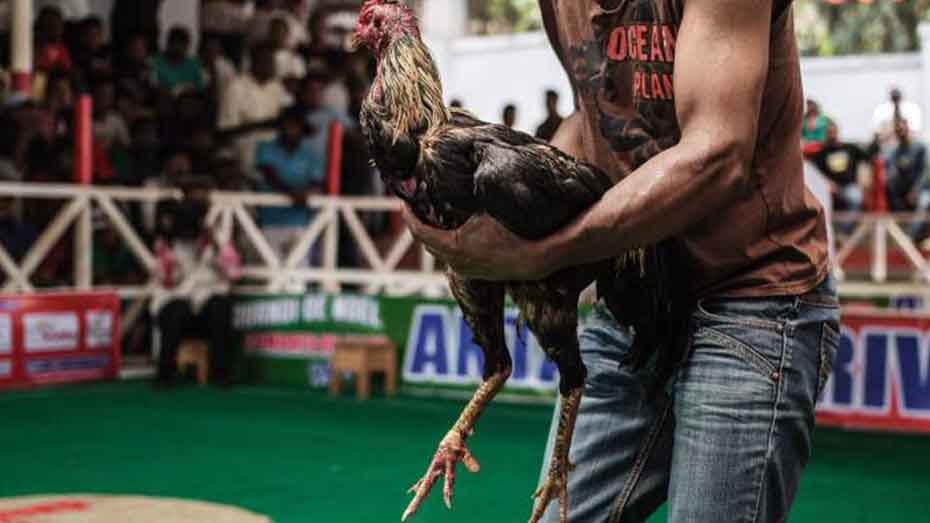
(556,484)
(451,450)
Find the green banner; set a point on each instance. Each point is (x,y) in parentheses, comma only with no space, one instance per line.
(289,340)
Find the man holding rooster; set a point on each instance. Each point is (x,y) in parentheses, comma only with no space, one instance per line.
(695,108)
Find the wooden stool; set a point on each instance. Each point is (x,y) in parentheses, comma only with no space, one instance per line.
(195,352)
(364,356)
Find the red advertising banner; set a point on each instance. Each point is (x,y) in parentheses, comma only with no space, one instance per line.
(881,374)
(58,338)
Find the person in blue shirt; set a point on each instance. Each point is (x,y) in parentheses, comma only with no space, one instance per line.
(289,165)
(906,183)
(318,116)
(175,71)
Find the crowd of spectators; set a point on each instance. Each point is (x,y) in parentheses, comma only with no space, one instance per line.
(176,116)
(251,107)
(889,173)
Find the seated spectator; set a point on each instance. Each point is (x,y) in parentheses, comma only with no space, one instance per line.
(134,74)
(183,249)
(59,101)
(175,71)
(91,55)
(268,10)
(815,124)
(9,145)
(142,160)
(113,262)
(906,176)
(110,129)
(131,18)
(48,141)
(227,22)
(318,46)
(252,104)
(226,171)
(16,235)
(220,70)
(906,167)
(318,116)
(176,172)
(547,129)
(840,162)
(288,165)
(69,9)
(51,52)
(289,66)
(178,121)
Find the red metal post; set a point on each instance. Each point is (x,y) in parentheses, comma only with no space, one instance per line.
(83,140)
(334,159)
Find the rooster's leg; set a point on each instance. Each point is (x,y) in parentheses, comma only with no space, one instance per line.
(482,305)
(555,485)
(556,329)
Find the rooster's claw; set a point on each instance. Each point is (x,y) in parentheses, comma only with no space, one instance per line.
(451,450)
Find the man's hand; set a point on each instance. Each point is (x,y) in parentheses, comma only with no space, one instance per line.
(483,249)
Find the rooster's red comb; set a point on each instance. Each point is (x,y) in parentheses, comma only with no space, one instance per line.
(372,3)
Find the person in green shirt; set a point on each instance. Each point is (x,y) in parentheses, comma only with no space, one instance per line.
(815,124)
(175,71)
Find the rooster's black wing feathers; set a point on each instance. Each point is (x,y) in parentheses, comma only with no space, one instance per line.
(529,186)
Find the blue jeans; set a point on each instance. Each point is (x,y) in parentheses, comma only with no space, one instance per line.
(918,229)
(728,439)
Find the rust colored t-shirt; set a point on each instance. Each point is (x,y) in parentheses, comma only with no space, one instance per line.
(621,55)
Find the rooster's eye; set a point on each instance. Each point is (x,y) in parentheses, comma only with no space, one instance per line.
(378,23)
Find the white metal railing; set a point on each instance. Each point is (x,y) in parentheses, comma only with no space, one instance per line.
(878,257)
(230,215)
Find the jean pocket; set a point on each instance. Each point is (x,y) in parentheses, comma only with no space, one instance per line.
(718,312)
(829,344)
(752,357)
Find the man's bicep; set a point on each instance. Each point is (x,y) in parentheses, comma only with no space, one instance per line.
(550,24)
(721,68)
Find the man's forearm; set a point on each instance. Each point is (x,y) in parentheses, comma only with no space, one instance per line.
(674,190)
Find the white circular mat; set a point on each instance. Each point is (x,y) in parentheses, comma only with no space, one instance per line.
(119,509)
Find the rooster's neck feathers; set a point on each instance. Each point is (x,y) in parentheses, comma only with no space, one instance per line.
(409,88)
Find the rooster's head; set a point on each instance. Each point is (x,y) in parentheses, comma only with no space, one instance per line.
(381,22)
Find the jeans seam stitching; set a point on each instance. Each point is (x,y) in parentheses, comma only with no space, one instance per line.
(702,313)
(825,366)
(641,459)
(771,436)
(818,304)
(749,355)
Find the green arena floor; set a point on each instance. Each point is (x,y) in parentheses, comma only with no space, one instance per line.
(302,457)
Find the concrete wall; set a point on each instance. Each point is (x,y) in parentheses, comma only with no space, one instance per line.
(487,73)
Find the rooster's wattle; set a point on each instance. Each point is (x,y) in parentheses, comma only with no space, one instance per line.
(447,165)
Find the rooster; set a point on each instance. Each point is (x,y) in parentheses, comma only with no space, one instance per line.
(447,166)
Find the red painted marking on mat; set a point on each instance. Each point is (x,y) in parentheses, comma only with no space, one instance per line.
(57,507)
